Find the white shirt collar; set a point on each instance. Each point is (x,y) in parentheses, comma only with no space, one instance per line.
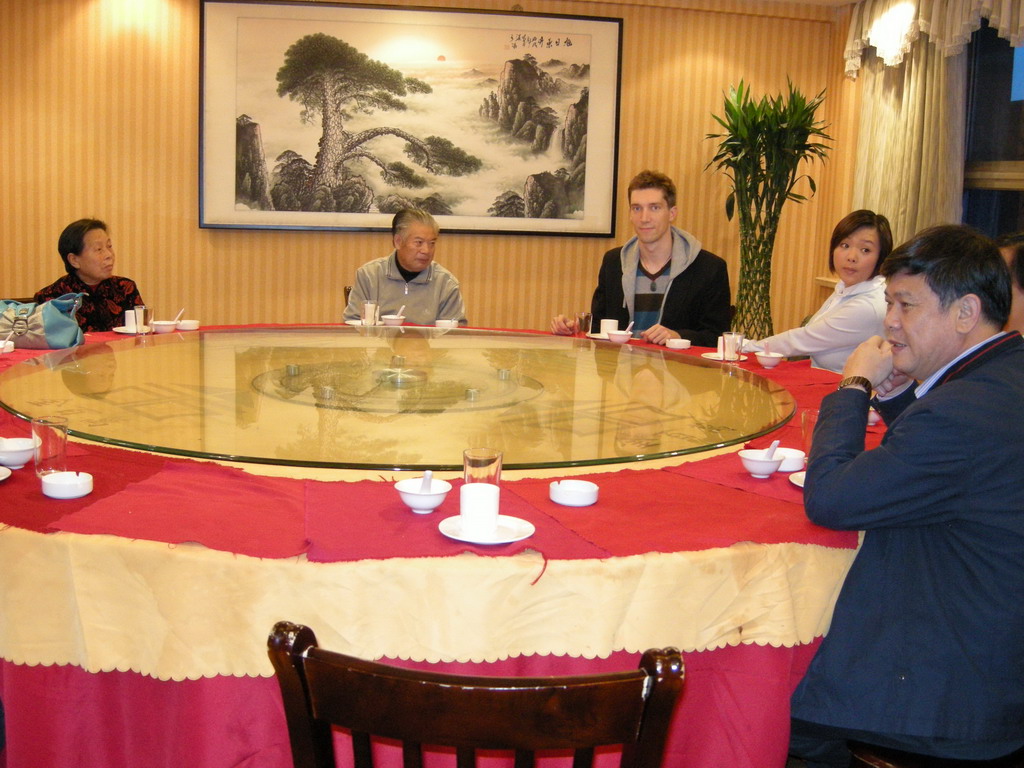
(927,384)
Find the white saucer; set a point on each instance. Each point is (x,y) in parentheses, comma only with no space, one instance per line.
(598,336)
(716,356)
(354,322)
(509,529)
(797,479)
(5,473)
(126,329)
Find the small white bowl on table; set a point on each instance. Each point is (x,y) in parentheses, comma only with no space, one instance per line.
(393,319)
(677,343)
(188,325)
(757,465)
(793,459)
(15,452)
(768,359)
(419,501)
(163,326)
(619,337)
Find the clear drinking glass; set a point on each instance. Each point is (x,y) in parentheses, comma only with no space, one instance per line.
(143,318)
(481,465)
(732,343)
(50,434)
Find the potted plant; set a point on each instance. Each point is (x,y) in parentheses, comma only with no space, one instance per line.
(760,151)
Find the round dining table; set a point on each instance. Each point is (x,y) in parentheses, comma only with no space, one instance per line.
(245,476)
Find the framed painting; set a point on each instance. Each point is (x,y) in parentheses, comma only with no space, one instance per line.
(331,116)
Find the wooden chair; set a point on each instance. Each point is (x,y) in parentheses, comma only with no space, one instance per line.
(520,714)
(868,756)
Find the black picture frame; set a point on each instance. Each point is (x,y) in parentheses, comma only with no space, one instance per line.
(333,116)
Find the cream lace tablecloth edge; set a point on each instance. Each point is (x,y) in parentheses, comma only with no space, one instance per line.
(177,612)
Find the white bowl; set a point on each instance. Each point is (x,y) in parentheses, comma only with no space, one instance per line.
(768,359)
(678,343)
(188,325)
(573,493)
(15,451)
(792,459)
(164,326)
(446,323)
(393,319)
(619,337)
(67,485)
(418,502)
(757,465)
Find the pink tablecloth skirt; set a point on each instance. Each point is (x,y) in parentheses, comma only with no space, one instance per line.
(734,712)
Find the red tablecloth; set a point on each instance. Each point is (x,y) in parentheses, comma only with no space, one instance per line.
(697,505)
(57,712)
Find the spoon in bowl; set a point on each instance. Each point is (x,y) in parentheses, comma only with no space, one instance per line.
(425,485)
(770,453)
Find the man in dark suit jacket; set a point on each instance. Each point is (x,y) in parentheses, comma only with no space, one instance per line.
(925,652)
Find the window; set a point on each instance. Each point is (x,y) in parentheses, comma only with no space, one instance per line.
(994,174)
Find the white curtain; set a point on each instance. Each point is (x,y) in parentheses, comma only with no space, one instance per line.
(910,55)
(892,26)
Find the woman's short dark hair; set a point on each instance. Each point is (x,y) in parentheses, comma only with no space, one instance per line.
(850,223)
(72,239)
(1015,245)
(955,261)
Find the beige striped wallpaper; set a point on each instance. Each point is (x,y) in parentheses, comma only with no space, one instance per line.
(99,115)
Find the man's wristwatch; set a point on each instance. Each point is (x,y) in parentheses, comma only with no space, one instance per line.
(857,382)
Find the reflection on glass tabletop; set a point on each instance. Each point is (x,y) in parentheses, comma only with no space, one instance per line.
(395,398)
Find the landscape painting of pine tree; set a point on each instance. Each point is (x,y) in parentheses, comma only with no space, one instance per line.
(344,122)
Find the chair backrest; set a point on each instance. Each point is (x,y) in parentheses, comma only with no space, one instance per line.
(520,714)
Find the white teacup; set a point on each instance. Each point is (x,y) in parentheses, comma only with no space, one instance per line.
(609,325)
(478,510)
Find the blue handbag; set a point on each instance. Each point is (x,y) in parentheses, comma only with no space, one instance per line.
(47,325)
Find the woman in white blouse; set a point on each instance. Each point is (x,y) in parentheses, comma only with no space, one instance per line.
(856,309)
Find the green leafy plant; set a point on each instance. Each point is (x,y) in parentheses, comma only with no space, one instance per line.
(763,144)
